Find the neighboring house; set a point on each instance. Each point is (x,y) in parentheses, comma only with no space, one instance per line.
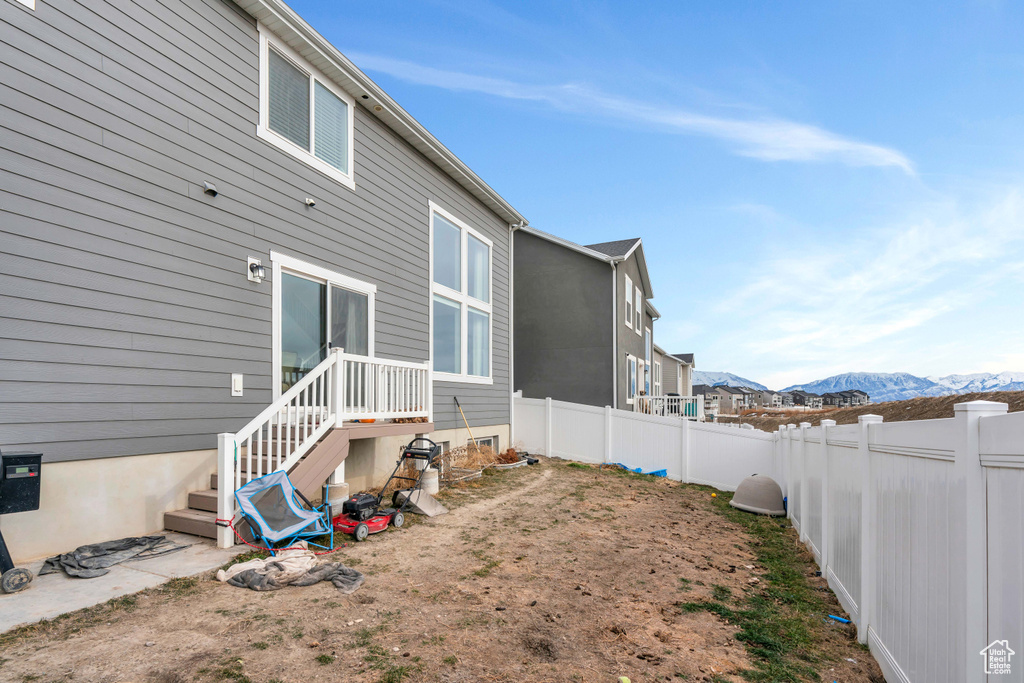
(684,381)
(749,398)
(664,373)
(583,323)
(764,398)
(199,200)
(806,399)
(862,398)
(786,397)
(711,398)
(832,399)
(731,400)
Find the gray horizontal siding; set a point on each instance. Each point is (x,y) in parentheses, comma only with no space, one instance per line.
(124,306)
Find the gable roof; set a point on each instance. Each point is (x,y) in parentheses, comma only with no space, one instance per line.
(616,255)
(282,20)
(616,249)
(684,357)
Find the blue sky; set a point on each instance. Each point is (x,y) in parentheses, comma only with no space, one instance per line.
(820,187)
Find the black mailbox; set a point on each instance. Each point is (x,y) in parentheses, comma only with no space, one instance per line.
(19,481)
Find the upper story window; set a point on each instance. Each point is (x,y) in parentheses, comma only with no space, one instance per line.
(629,303)
(303,113)
(460,308)
(639,311)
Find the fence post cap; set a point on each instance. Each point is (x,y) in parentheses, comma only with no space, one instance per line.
(869,419)
(828,423)
(981,406)
(805,425)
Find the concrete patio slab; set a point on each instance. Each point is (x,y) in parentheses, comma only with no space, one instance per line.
(55,594)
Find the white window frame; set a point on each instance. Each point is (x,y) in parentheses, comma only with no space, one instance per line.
(463,298)
(268,40)
(631,377)
(657,379)
(283,263)
(493,445)
(638,311)
(629,302)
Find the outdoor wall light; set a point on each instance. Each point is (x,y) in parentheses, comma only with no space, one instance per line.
(310,202)
(256,270)
(210,189)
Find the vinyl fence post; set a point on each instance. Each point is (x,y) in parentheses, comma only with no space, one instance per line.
(804,426)
(867,527)
(971,475)
(225,487)
(684,451)
(607,434)
(826,427)
(547,427)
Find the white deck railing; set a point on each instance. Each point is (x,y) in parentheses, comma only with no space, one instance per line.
(342,387)
(685,407)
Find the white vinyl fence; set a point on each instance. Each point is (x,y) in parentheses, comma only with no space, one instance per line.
(917,526)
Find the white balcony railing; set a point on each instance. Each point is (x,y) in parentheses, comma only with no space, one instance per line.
(683,407)
(342,387)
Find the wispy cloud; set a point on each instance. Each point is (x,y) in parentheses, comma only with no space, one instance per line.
(864,302)
(770,139)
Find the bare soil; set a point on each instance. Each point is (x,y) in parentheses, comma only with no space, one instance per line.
(925,408)
(556,572)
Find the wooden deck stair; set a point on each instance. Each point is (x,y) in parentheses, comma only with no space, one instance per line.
(308,475)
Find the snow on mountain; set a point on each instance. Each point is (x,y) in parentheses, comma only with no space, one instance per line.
(898,386)
(880,386)
(727,378)
(981,381)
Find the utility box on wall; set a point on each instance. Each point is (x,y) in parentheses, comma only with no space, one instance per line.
(19,481)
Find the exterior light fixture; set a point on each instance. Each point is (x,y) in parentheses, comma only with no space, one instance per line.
(310,202)
(377,107)
(256,270)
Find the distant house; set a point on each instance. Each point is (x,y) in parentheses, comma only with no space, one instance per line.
(832,399)
(807,399)
(731,400)
(786,397)
(862,398)
(583,329)
(712,398)
(765,398)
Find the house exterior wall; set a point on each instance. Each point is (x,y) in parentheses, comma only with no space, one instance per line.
(563,316)
(628,340)
(124,303)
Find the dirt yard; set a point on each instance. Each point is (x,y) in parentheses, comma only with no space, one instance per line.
(925,408)
(556,572)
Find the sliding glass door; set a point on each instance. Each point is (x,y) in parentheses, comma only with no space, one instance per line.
(317,315)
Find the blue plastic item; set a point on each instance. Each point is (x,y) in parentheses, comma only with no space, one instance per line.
(638,470)
(839,619)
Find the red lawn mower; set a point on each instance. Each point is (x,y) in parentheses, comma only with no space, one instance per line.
(362,514)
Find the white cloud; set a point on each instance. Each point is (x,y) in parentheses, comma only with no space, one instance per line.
(862,302)
(770,139)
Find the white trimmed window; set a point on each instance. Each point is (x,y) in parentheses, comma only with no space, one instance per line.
(629,303)
(303,113)
(639,312)
(647,361)
(657,378)
(630,378)
(460,307)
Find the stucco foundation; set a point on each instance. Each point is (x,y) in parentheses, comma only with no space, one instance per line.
(87,501)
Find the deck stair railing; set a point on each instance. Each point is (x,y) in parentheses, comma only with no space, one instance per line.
(342,387)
